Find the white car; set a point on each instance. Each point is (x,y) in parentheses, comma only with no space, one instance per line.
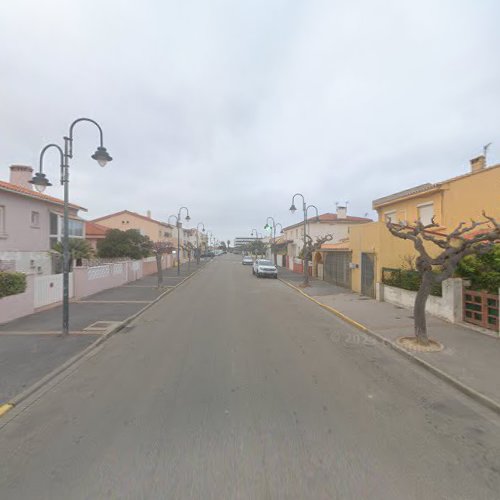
(263,268)
(247,260)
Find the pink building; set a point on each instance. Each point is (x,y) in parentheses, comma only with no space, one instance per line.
(31,223)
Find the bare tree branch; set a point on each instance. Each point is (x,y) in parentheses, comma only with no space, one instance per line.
(454,246)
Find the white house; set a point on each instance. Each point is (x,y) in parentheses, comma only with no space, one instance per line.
(337,224)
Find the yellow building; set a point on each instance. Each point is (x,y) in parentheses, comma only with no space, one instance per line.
(371,247)
(124,220)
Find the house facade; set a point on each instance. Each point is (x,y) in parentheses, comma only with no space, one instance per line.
(460,199)
(31,223)
(145,224)
(337,224)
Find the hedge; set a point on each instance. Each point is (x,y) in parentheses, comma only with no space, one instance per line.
(12,283)
(408,280)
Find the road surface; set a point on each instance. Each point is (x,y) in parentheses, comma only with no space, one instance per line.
(234,387)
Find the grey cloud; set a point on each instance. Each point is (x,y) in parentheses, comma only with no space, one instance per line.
(231,107)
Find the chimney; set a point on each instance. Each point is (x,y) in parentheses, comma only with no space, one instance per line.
(148,213)
(20,175)
(478,163)
(341,212)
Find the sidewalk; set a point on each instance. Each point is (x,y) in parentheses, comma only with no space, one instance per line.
(31,347)
(470,358)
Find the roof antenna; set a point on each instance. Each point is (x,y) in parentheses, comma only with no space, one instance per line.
(485,151)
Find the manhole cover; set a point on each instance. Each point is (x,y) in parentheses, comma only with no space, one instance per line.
(100,325)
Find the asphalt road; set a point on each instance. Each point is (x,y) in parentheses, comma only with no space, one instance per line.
(233,387)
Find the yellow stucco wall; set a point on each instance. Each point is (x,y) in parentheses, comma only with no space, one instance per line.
(455,200)
(466,197)
(151,228)
(375,238)
(458,200)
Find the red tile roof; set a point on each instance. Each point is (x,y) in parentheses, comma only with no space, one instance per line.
(31,193)
(135,214)
(329,217)
(334,217)
(95,230)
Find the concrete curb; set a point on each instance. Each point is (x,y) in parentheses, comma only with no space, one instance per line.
(19,398)
(453,381)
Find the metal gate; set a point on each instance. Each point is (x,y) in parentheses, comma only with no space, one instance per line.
(368,274)
(481,309)
(336,268)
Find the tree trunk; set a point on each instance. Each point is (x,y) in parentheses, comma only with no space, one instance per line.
(306,271)
(419,308)
(160,270)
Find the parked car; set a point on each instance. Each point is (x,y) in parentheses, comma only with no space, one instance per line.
(247,260)
(263,268)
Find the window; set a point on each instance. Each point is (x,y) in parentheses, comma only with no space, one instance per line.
(75,228)
(35,219)
(2,221)
(390,216)
(425,213)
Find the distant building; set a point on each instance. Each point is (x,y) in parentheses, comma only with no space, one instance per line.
(145,224)
(242,241)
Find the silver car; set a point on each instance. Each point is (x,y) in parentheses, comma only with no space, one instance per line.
(263,268)
(247,260)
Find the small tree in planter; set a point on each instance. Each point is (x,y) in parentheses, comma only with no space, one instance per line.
(465,240)
(160,248)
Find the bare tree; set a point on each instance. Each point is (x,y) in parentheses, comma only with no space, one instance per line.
(466,239)
(189,248)
(311,247)
(160,248)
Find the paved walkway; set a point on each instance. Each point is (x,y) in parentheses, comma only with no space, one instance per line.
(31,347)
(468,356)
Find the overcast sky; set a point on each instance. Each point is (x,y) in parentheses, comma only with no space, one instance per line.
(231,106)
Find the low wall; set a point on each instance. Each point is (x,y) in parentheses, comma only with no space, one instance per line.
(90,280)
(448,307)
(49,289)
(21,304)
(83,281)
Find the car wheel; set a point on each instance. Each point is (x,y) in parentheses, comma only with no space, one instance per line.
(275,276)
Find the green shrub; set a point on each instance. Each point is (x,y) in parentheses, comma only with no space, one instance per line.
(483,270)
(12,283)
(407,279)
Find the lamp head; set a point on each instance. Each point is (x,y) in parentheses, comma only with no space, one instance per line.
(40,182)
(101,156)
(293,208)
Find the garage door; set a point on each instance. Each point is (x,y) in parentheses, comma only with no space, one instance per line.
(336,268)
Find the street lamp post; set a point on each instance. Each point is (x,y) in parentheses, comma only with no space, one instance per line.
(273,232)
(257,236)
(293,209)
(198,241)
(178,224)
(40,182)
